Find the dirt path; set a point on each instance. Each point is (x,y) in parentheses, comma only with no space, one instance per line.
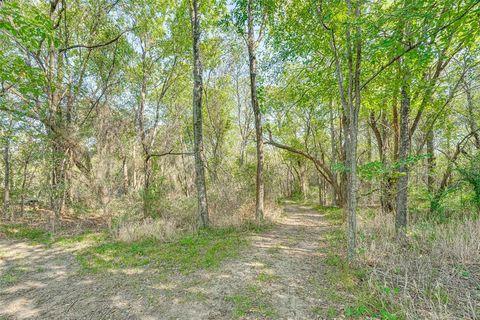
(278,277)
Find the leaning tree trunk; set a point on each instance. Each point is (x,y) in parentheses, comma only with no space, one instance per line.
(197,118)
(251,43)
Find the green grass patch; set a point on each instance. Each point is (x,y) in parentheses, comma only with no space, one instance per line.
(11,276)
(266,277)
(21,232)
(202,250)
(87,237)
(334,215)
(40,236)
(252,302)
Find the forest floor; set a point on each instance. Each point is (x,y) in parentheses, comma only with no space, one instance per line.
(280,274)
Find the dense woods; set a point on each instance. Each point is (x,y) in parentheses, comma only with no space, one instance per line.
(153,119)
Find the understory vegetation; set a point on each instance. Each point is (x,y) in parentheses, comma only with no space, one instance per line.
(99,252)
(434,275)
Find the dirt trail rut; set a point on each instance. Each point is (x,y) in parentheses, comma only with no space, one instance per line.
(278,277)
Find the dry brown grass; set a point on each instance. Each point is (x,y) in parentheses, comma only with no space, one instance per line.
(155,229)
(436,276)
(181,220)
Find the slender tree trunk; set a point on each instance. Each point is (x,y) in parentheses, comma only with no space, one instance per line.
(147,176)
(369,185)
(351,137)
(134,168)
(430,162)
(251,43)
(126,182)
(143,135)
(402,181)
(471,115)
(197,118)
(24,184)
(6,179)
(333,143)
(185,173)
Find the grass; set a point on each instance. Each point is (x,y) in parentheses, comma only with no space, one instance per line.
(11,276)
(433,275)
(21,232)
(40,236)
(266,277)
(348,284)
(203,250)
(252,302)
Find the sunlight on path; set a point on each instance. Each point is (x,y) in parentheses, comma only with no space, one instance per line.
(275,278)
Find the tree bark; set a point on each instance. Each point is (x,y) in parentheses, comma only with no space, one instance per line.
(430,162)
(471,115)
(402,181)
(6,179)
(126,182)
(252,44)
(333,143)
(352,110)
(197,118)
(24,184)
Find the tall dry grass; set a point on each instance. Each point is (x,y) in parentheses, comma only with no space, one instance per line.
(435,276)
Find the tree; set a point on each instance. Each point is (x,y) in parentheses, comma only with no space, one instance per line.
(197,116)
(252,44)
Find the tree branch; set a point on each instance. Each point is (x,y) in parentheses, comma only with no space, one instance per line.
(94,46)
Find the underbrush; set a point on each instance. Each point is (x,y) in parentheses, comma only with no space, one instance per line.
(348,290)
(435,276)
(204,249)
(171,227)
(99,252)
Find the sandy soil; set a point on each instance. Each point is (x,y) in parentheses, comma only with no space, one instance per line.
(278,277)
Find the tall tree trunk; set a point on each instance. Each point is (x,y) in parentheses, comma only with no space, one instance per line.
(402,181)
(6,179)
(369,185)
(430,162)
(197,118)
(143,135)
(353,108)
(252,44)
(333,143)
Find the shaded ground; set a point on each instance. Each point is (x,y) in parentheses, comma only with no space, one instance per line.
(278,277)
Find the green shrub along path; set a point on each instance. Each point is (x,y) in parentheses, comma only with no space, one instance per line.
(276,272)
